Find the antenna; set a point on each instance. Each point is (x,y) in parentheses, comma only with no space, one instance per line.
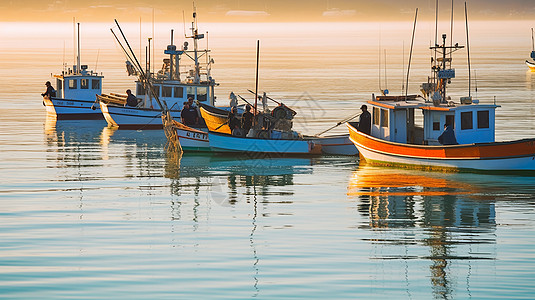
(379,68)
(96,63)
(184,22)
(468,50)
(451,27)
(403,68)
(410,54)
(78,57)
(74,40)
(256,83)
(436,22)
(385,92)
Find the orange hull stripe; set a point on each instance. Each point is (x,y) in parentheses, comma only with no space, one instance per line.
(472,151)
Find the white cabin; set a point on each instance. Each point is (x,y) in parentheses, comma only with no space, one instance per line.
(78,85)
(399,121)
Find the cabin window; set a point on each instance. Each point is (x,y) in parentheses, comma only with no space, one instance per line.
(191,92)
(84,83)
(466,120)
(202,93)
(436,122)
(140,90)
(95,84)
(179,92)
(376,116)
(167,91)
(483,119)
(59,84)
(156,90)
(384,118)
(73,84)
(450,120)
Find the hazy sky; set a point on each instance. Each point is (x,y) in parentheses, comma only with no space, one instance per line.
(257,10)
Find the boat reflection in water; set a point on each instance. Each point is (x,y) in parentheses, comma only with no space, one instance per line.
(229,178)
(433,216)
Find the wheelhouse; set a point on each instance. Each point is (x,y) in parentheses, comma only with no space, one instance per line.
(78,85)
(416,122)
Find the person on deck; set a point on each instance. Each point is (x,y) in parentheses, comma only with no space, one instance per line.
(50,92)
(189,115)
(247,120)
(131,100)
(234,122)
(365,120)
(448,136)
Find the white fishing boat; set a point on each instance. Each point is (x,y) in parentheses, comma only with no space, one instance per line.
(169,88)
(74,96)
(221,142)
(397,138)
(191,139)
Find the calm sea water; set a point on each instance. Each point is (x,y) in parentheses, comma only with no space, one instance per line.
(91,212)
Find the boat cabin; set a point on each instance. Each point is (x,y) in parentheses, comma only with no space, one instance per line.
(175,93)
(413,121)
(82,84)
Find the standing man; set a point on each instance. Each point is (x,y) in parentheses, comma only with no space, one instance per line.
(247,120)
(365,120)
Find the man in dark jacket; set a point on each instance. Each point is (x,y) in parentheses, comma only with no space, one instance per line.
(247,120)
(448,136)
(189,115)
(131,100)
(50,92)
(365,120)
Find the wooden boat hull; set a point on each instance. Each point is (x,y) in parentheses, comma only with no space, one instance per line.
(72,109)
(498,156)
(336,145)
(531,65)
(228,143)
(192,139)
(215,119)
(134,118)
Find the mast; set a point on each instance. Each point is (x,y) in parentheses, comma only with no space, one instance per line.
(78,51)
(468,51)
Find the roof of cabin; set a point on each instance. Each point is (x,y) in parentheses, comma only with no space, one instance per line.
(395,105)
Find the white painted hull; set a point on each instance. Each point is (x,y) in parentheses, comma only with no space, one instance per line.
(72,109)
(193,140)
(126,117)
(336,145)
(226,143)
(505,164)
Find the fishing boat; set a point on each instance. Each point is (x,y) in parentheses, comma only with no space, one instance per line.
(74,97)
(531,63)
(398,138)
(165,90)
(191,139)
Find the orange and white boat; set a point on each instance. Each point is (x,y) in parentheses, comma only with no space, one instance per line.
(398,138)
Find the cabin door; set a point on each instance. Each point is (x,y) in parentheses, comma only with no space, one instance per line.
(400,126)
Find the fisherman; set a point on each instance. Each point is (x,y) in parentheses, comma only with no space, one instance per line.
(131,100)
(448,136)
(189,115)
(247,120)
(365,120)
(50,91)
(234,122)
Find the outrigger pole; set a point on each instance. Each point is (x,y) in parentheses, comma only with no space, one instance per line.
(410,54)
(163,107)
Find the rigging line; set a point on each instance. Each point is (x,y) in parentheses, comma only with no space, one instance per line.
(468,51)
(410,54)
